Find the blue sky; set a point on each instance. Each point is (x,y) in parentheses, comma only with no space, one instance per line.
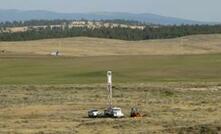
(203,10)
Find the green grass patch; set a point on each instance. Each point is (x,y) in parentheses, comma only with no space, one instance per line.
(126,69)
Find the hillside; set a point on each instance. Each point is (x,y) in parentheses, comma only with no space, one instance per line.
(18,15)
(82,46)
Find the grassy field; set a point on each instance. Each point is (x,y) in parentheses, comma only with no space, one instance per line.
(63,109)
(175,83)
(126,69)
(177,94)
(81,46)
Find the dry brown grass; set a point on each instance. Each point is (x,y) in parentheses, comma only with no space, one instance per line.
(63,109)
(82,46)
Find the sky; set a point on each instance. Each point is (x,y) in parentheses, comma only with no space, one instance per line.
(201,10)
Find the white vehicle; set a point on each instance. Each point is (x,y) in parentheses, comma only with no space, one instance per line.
(55,53)
(93,113)
(115,112)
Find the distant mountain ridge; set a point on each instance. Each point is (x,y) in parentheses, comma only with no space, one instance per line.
(19,15)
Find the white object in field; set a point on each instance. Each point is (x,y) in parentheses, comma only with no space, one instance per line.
(109,88)
(94,113)
(56,53)
(115,112)
(109,77)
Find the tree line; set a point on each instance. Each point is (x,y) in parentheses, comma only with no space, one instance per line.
(150,32)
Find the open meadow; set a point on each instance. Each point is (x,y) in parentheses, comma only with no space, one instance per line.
(61,109)
(82,46)
(126,69)
(175,83)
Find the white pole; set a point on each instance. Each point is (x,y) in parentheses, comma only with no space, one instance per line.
(109,88)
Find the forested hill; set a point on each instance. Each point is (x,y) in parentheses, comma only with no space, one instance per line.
(149,32)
